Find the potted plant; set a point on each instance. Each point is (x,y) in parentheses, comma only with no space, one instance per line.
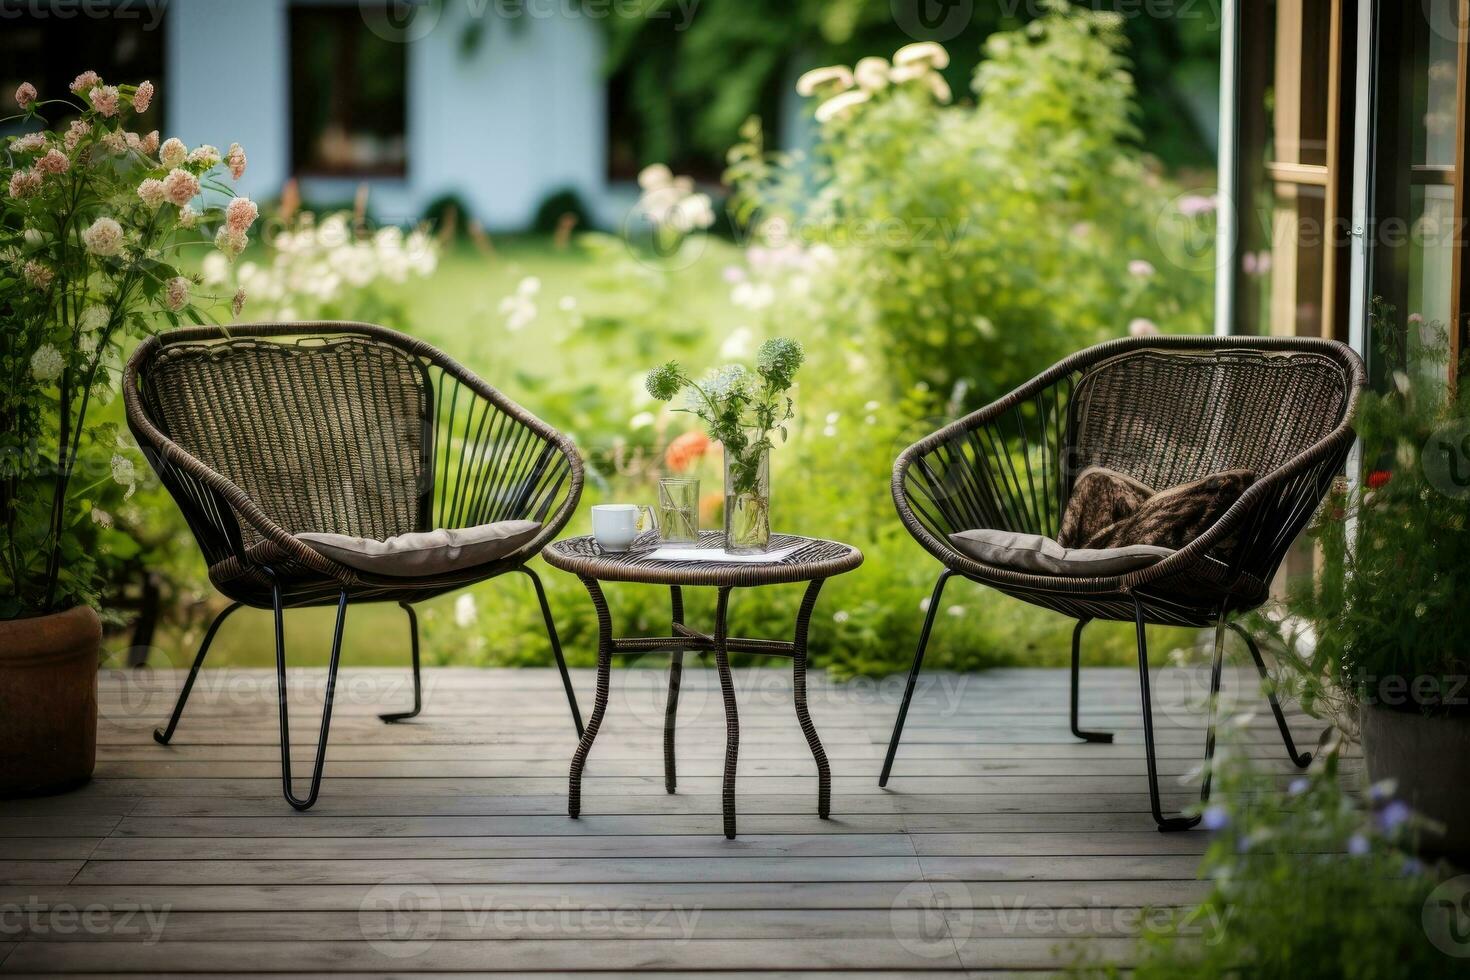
(743,410)
(1392,642)
(92,217)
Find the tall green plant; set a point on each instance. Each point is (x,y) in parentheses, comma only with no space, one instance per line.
(980,243)
(1387,614)
(90,229)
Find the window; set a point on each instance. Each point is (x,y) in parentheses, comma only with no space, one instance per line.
(348,96)
(1296,100)
(47,50)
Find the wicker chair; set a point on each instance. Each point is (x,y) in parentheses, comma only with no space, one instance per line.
(1163,411)
(263,431)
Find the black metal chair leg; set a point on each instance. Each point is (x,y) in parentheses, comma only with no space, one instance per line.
(599,704)
(561,663)
(418,697)
(908,691)
(803,716)
(671,708)
(1076,684)
(1300,760)
(163,735)
(732,715)
(1167,824)
(321,745)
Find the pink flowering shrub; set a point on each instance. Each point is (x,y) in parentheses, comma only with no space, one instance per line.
(92,219)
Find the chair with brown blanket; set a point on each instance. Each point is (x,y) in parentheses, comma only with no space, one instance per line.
(335,463)
(1149,480)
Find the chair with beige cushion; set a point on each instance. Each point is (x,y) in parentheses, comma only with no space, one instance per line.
(338,463)
(1149,480)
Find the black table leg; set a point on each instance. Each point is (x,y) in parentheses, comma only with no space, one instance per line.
(798,681)
(671,709)
(599,705)
(732,717)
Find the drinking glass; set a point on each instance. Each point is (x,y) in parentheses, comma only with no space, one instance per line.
(678,507)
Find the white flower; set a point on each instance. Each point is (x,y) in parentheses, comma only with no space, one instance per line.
(655,176)
(94,318)
(840,105)
(871,74)
(237,303)
(1142,327)
(216,269)
(519,311)
(206,155)
(956,610)
(173,153)
(180,186)
(176,293)
(104,237)
(940,88)
(922,52)
(642,420)
(839,77)
(465,612)
(924,604)
(840,616)
(737,345)
(732,379)
(567,304)
(1141,268)
(753,295)
(101,517)
(124,474)
(902,74)
(152,192)
(529,286)
(47,364)
(230,242)
(188,217)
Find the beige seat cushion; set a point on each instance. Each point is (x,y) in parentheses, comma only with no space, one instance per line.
(425,553)
(1038,555)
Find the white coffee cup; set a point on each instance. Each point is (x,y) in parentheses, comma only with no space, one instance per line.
(616,526)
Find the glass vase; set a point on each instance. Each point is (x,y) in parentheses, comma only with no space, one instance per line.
(748,502)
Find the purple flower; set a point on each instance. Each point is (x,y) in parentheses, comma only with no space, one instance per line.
(1194,205)
(1358,845)
(1394,815)
(1412,866)
(1381,791)
(1298,786)
(1215,818)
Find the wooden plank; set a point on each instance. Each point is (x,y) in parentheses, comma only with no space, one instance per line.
(509,955)
(38,872)
(206,871)
(47,848)
(565,846)
(990,895)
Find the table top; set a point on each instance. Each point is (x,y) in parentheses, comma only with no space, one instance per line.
(814,558)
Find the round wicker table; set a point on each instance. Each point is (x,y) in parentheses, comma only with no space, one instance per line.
(813,561)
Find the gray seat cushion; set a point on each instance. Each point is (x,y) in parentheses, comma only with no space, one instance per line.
(1038,555)
(421,554)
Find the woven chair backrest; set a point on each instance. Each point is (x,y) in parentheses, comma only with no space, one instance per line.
(1169,417)
(323,436)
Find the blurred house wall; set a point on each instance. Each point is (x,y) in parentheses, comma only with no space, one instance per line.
(501,123)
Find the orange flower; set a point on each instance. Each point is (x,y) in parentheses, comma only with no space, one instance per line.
(686,450)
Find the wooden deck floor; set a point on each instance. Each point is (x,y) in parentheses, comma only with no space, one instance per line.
(443,845)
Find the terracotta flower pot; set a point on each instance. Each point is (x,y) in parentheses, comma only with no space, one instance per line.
(48,701)
(1428,758)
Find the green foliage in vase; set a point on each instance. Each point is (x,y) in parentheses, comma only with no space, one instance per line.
(1316,882)
(982,242)
(741,412)
(91,228)
(1386,613)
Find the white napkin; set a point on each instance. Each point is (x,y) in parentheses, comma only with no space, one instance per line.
(718,555)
